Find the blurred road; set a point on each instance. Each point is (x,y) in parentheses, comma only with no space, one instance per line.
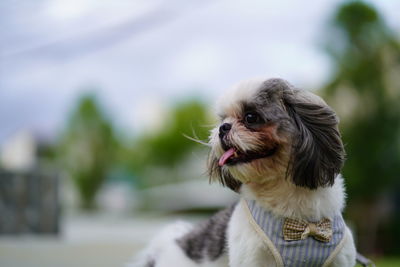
(86,240)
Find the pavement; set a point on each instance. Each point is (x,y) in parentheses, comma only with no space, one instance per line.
(113,236)
(100,240)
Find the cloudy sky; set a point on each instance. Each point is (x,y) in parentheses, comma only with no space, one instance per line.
(140,56)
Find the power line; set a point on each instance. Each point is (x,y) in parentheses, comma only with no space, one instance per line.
(85,43)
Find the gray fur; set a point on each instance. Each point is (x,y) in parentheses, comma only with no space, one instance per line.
(318,153)
(207,240)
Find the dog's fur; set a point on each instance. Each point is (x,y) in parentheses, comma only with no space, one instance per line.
(296,155)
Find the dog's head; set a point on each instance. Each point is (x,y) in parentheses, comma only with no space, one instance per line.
(271,130)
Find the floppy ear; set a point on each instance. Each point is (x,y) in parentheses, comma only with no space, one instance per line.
(215,173)
(317,154)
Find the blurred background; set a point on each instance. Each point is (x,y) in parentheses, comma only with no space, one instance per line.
(96,97)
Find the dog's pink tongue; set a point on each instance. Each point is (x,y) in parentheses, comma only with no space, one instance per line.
(229,153)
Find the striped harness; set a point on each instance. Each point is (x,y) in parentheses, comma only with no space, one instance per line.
(295,253)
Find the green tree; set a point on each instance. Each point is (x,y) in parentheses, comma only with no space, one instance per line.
(87,148)
(365,91)
(169,147)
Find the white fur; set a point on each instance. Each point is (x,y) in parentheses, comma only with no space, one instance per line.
(240,92)
(246,247)
(166,252)
(163,246)
(297,202)
(347,255)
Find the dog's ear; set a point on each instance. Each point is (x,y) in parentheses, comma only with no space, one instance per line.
(215,173)
(317,154)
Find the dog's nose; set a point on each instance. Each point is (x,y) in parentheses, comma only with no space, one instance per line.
(224,128)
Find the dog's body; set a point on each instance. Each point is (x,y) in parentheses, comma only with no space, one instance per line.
(280,148)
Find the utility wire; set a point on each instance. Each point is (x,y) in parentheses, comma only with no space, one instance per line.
(85,43)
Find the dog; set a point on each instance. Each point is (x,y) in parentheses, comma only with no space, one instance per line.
(279,147)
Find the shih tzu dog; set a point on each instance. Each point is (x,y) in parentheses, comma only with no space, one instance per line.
(279,147)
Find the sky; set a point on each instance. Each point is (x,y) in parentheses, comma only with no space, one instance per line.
(141,56)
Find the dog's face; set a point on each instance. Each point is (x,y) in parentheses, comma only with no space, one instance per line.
(271,130)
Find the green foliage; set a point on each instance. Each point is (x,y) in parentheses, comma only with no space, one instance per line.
(364,90)
(356,19)
(364,55)
(373,164)
(87,148)
(388,262)
(169,147)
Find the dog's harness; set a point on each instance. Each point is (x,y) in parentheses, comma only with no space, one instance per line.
(298,243)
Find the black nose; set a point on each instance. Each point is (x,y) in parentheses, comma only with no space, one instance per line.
(224,128)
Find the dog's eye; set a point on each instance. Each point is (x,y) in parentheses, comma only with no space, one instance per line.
(252,118)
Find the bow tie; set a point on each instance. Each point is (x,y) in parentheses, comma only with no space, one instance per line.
(299,229)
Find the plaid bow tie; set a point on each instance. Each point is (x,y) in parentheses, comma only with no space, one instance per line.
(299,229)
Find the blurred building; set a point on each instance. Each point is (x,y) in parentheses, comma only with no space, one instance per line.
(29,195)
(18,153)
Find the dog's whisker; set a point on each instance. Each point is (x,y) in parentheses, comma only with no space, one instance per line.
(197,140)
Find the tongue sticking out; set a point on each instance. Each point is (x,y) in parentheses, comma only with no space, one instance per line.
(228,154)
